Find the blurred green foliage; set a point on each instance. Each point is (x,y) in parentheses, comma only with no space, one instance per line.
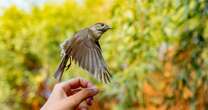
(157,52)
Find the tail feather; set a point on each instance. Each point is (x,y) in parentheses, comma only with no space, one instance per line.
(59,72)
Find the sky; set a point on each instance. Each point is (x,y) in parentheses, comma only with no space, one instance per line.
(23,4)
(26,4)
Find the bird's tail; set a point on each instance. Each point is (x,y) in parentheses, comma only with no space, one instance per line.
(59,72)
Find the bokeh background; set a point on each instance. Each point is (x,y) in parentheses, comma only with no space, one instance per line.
(157,52)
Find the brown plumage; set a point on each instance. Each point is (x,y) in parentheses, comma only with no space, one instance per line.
(85,50)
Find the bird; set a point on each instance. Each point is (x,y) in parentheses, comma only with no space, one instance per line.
(85,50)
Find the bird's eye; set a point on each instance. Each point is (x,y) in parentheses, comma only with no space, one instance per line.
(102,25)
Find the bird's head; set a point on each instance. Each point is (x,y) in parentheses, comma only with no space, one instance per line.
(99,28)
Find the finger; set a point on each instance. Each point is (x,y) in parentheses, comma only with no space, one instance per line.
(89,101)
(74,91)
(83,106)
(75,83)
(82,95)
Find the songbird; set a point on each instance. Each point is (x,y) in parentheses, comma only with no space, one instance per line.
(85,50)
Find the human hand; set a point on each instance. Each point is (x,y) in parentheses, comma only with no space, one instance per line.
(75,94)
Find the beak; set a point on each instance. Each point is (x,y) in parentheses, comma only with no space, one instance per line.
(107,28)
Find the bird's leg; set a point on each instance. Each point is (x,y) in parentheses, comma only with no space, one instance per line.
(67,67)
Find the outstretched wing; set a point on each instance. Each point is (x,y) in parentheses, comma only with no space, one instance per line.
(87,54)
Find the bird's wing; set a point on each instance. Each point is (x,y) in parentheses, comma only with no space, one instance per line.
(87,54)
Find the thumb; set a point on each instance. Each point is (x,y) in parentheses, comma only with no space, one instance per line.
(80,96)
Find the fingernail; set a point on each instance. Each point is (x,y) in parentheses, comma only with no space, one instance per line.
(93,90)
(90,98)
(89,101)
